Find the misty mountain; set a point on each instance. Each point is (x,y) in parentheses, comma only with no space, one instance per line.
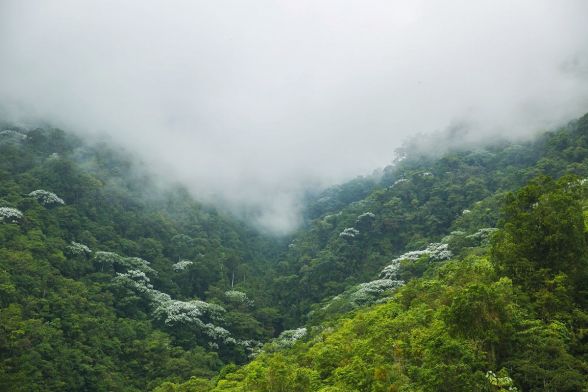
(251,105)
(111,280)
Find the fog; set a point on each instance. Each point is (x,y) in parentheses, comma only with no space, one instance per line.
(249,103)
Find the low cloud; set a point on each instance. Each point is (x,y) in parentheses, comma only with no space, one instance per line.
(249,103)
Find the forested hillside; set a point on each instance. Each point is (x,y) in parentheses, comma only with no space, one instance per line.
(417,201)
(108,282)
(500,315)
(463,271)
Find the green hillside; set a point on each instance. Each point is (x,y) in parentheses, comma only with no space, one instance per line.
(462,271)
(108,282)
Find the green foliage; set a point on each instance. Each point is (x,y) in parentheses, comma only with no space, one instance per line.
(507,312)
(417,201)
(542,244)
(65,323)
(443,333)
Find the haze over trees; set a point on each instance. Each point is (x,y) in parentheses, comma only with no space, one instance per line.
(465,271)
(309,196)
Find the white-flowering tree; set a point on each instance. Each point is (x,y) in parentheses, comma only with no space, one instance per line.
(179,312)
(46,198)
(10,215)
(200,317)
(195,314)
(78,249)
(366,216)
(438,251)
(136,280)
(349,232)
(182,265)
(435,251)
(289,337)
(370,292)
(482,236)
(391,271)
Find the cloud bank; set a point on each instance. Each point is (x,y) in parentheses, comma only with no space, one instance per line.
(249,102)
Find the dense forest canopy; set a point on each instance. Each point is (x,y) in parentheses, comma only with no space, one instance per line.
(461,271)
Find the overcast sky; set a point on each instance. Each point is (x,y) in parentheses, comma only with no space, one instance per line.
(250,101)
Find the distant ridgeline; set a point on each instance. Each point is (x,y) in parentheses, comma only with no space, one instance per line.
(432,276)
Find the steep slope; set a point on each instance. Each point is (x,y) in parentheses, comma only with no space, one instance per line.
(513,315)
(482,318)
(416,202)
(109,283)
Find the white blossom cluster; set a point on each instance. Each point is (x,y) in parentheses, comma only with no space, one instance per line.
(366,216)
(46,198)
(107,258)
(377,290)
(238,296)
(466,211)
(136,276)
(78,249)
(182,265)
(289,337)
(391,271)
(389,280)
(195,313)
(134,280)
(435,251)
(178,312)
(400,181)
(482,235)
(10,215)
(349,232)
(138,264)
(369,292)
(438,251)
(175,312)
(200,314)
